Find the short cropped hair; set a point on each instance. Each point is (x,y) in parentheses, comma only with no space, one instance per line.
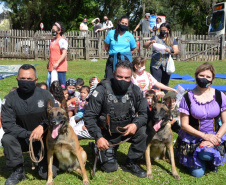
(124,64)
(27,67)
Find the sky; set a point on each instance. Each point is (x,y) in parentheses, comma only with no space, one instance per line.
(2,7)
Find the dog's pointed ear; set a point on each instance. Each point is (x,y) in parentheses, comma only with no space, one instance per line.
(154,100)
(168,102)
(49,105)
(64,104)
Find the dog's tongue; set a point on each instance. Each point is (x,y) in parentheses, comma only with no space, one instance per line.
(157,125)
(55,131)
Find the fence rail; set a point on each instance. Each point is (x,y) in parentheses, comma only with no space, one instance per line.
(87,45)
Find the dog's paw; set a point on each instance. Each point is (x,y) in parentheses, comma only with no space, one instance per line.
(49,183)
(85,182)
(177,177)
(150,176)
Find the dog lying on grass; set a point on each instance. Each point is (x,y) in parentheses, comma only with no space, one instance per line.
(62,142)
(163,138)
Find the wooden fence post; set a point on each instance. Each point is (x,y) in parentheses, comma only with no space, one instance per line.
(222,44)
(36,45)
(99,47)
(141,48)
(183,48)
(86,47)
(179,47)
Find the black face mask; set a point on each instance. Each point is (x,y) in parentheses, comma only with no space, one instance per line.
(123,27)
(26,86)
(85,22)
(203,82)
(120,86)
(54,33)
(163,34)
(105,20)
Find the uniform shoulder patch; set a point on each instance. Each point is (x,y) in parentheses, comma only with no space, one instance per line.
(95,93)
(3,101)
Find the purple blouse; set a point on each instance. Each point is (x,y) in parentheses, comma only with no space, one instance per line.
(204,112)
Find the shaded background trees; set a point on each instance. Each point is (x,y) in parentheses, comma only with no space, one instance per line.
(187,16)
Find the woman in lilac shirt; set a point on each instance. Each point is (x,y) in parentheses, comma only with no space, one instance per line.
(201,140)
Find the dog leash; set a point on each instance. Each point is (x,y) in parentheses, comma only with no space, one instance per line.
(118,129)
(31,151)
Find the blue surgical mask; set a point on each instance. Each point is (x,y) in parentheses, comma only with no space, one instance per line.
(54,33)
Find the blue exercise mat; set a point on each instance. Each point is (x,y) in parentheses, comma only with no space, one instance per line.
(192,86)
(2,76)
(220,76)
(182,77)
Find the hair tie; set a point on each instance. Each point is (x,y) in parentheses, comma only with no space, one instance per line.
(58,25)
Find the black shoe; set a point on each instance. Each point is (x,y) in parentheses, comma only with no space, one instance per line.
(17,176)
(134,168)
(212,167)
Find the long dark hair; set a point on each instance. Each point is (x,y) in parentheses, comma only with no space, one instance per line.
(117,30)
(169,38)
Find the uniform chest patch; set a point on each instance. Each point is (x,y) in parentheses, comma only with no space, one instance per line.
(40,103)
(95,93)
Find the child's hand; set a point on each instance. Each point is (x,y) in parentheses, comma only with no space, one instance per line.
(83,127)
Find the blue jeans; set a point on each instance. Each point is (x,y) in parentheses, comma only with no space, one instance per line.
(203,156)
(161,76)
(61,78)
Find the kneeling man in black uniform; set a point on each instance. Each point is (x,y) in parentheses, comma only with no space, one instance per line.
(23,115)
(118,103)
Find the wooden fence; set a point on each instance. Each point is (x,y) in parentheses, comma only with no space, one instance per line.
(89,45)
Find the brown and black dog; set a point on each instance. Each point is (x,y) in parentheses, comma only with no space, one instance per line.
(62,142)
(163,138)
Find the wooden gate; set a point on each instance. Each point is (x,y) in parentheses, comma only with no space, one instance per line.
(201,47)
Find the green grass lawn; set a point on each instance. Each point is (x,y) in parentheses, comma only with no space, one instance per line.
(161,169)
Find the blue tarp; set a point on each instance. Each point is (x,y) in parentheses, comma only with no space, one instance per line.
(220,76)
(182,77)
(10,68)
(192,86)
(2,76)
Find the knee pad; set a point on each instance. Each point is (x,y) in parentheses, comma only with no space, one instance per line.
(205,156)
(108,160)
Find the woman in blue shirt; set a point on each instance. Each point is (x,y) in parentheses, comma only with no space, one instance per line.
(160,58)
(120,44)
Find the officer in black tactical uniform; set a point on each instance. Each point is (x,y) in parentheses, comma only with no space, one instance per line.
(118,103)
(23,116)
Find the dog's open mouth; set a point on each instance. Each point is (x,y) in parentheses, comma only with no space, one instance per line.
(56,130)
(157,125)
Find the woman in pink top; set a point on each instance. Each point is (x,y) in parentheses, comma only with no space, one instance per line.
(58,54)
(145,80)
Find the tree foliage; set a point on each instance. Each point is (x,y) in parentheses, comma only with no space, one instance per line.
(186,16)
